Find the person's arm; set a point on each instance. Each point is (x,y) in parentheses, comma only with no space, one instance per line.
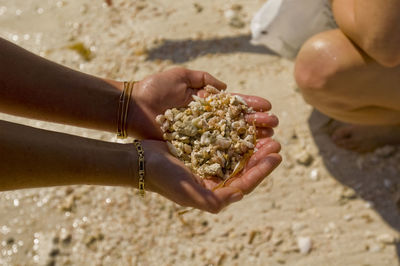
(34,87)
(33,157)
(374,25)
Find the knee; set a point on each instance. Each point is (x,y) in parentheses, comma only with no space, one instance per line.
(316,65)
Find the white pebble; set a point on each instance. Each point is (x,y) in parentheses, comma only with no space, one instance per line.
(16,202)
(304,158)
(369,205)
(229,13)
(386,239)
(348,217)
(374,248)
(314,175)
(304,244)
(368,234)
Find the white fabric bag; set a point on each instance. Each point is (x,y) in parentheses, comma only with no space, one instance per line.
(284,25)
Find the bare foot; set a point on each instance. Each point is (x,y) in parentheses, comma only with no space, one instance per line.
(365,138)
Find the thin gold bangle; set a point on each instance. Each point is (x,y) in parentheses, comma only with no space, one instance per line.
(123,107)
(141,165)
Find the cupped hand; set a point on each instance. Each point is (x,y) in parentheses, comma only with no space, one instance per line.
(264,121)
(168,176)
(159,92)
(174,88)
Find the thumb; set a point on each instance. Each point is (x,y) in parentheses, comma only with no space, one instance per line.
(224,196)
(228,195)
(212,201)
(202,93)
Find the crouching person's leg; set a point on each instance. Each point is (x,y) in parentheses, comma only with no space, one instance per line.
(340,80)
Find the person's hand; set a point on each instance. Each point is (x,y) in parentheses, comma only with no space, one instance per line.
(169,177)
(174,88)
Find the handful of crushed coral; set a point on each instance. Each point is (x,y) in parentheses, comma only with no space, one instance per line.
(211,135)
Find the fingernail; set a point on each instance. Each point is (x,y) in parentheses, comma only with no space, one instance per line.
(235,197)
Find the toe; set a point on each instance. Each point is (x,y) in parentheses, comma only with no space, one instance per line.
(344,138)
(348,144)
(341,134)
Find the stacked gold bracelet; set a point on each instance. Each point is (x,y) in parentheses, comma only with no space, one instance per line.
(123,109)
(122,133)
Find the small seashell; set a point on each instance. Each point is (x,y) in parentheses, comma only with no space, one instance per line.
(234,111)
(213,170)
(169,115)
(213,121)
(236,125)
(197,122)
(211,89)
(248,144)
(220,113)
(165,126)
(241,130)
(198,99)
(243,147)
(240,100)
(160,119)
(187,148)
(168,136)
(175,135)
(205,138)
(222,129)
(249,138)
(251,130)
(175,111)
(173,149)
(223,142)
(179,116)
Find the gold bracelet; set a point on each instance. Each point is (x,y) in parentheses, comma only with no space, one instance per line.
(123,106)
(141,165)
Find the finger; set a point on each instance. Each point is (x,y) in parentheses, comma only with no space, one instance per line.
(200,79)
(263,141)
(227,195)
(263,151)
(262,119)
(191,194)
(265,132)
(202,93)
(212,201)
(249,180)
(257,103)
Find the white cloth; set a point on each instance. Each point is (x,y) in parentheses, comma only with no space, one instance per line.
(284,25)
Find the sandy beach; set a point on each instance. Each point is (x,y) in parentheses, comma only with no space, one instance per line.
(322,206)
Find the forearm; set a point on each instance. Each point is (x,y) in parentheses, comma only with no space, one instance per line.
(37,158)
(374,25)
(34,87)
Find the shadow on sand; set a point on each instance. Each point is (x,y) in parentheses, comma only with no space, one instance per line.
(376,179)
(180,51)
